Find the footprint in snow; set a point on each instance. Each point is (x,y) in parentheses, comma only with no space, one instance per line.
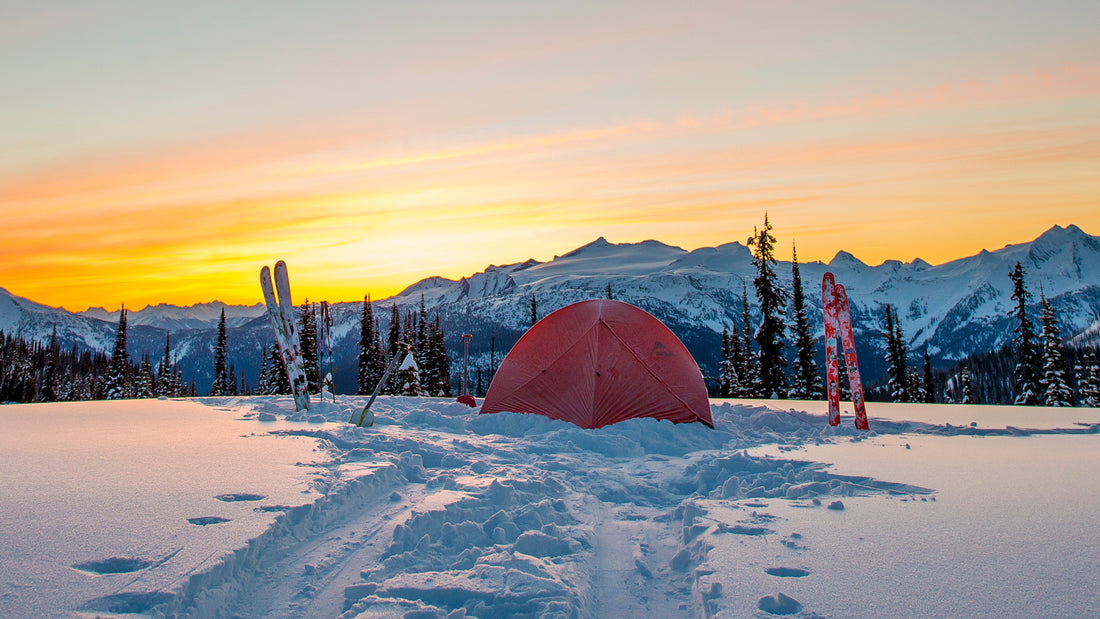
(787,572)
(240,496)
(114,565)
(205,520)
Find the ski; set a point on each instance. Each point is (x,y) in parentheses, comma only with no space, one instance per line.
(277,298)
(832,372)
(848,339)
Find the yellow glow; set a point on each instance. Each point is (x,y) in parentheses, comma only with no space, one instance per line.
(350,216)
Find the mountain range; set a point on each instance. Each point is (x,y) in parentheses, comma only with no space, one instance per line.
(951,310)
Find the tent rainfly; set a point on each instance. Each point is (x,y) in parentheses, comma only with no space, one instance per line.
(599,362)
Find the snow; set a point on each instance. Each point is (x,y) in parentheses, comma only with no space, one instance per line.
(243,507)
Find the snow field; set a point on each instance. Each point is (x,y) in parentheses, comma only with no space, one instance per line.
(439,512)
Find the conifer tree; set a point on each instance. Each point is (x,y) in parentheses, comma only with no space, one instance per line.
(1053,385)
(896,365)
(806,379)
(372,361)
(929,388)
(480,389)
(609,296)
(220,385)
(773,301)
(263,381)
(48,390)
(277,379)
(727,374)
(1026,374)
(393,342)
(967,390)
(746,360)
(118,377)
(534,310)
(422,326)
(408,377)
(165,371)
(307,336)
(1091,391)
(145,384)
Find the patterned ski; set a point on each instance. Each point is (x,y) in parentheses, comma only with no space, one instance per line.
(286,335)
(832,372)
(848,338)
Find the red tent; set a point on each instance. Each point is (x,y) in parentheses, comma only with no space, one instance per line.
(599,362)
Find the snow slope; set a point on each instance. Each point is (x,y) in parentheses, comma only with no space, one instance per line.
(439,512)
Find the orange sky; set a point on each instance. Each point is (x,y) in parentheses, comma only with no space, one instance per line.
(168,158)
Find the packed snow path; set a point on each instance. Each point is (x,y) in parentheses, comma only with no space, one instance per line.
(439,512)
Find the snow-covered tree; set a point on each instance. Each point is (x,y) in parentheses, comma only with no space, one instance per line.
(967,390)
(896,362)
(534,310)
(307,336)
(145,384)
(118,377)
(805,376)
(166,373)
(220,386)
(1054,385)
(1026,374)
(747,363)
(1090,392)
(408,377)
(372,359)
(773,301)
(48,390)
(393,343)
(727,370)
(929,388)
(437,379)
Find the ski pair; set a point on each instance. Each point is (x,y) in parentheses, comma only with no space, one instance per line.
(838,321)
(281,312)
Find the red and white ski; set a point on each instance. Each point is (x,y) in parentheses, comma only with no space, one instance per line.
(832,371)
(281,312)
(838,322)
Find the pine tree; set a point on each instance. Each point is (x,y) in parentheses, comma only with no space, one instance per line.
(480,389)
(734,365)
(220,385)
(146,383)
(534,310)
(1091,391)
(967,389)
(408,377)
(263,381)
(277,379)
(1027,373)
(773,301)
(609,296)
(896,365)
(165,371)
(1053,385)
(440,360)
(747,360)
(929,388)
(372,361)
(727,373)
(118,377)
(48,390)
(307,335)
(393,342)
(422,326)
(806,379)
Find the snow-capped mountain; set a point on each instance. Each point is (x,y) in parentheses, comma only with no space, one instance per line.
(175,318)
(951,310)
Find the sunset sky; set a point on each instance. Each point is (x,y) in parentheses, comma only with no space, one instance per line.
(163,152)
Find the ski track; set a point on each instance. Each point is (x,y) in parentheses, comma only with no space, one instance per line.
(439,512)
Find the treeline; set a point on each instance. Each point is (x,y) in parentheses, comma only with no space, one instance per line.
(414,343)
(1036,368)
(31,371)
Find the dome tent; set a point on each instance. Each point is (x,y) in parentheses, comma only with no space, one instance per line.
(598,362)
